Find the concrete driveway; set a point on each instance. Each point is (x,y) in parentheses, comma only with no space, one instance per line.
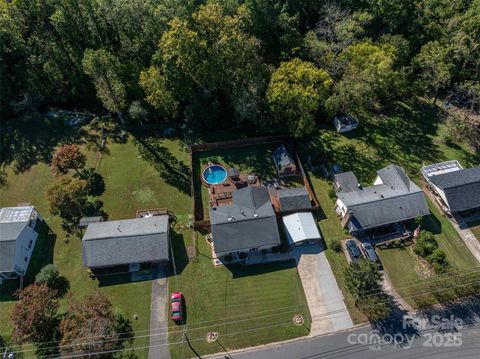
(324,298)
(159,315)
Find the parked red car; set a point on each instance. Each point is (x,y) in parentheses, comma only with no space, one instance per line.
(177,307)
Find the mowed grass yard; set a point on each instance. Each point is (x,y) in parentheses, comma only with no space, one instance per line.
(131,183)
(408,134)
(409,275)
(247,306)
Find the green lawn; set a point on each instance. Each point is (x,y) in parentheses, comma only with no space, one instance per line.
(408,134)
(132,182)
(246,306)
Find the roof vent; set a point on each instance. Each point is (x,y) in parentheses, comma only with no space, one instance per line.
(118,228)
(382,196)
(359,185)
(242,211)
(255,215)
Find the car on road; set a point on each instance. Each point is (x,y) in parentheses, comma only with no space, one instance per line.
(369,251)
(353,249)
(176,300)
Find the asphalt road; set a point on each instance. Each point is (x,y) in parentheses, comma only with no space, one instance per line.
(363,343)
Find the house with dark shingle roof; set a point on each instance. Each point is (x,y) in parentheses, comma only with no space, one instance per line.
(129,242)
(247,225)
(457,187)
(393,198)
(293,200)
(19,230)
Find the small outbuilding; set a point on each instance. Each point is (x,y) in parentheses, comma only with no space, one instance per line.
(345,123)
(284,162)
(300,228)
(126,245)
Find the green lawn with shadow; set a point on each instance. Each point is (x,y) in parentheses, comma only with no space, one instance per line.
(247,306)
(133,181)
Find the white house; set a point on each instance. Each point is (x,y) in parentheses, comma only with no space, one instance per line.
(19,229)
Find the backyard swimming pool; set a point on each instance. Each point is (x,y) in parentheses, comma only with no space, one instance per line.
(214,174)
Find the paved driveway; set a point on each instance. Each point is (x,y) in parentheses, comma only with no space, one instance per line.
(159,316)
(324,298)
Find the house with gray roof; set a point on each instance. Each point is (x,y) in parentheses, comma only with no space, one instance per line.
(456,188)
(248,225)
(393,198)
(19,230)
(293,200)
(129,242)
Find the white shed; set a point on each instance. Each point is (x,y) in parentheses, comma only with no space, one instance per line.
(300,227)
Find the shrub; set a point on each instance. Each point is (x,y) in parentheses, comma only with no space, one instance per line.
(426,244)
(337,246)
(439,261)
(48,275)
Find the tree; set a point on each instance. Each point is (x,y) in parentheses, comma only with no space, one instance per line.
(363,281)
(68,157)
(296,91)
(34,318)
(96,184)
(93,317)
(67,197)
(210,63)
(433,63)
(368,76)
(158,95)
(104,69)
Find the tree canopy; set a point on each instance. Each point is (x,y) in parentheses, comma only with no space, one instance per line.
(210,63)
(295,93)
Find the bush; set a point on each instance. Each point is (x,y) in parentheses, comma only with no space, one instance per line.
(337,246)
(426,244)
(48,275)
(438,259)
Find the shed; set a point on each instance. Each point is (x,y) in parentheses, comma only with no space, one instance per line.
(284,162)
(300,227)
(345,123)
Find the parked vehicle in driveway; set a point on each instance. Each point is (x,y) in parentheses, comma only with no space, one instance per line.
(369,252)
(176,300)
(353,249)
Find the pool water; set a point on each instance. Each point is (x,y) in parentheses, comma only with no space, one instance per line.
(214,174)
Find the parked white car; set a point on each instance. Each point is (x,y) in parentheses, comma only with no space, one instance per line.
(369,252)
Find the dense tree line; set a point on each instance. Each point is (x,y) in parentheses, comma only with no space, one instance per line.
(271,64)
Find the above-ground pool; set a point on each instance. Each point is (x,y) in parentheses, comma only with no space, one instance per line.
(214,174)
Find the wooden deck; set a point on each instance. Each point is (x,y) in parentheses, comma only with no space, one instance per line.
(221,194)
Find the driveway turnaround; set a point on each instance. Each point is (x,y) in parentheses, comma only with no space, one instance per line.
(159,316)
(324,298)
